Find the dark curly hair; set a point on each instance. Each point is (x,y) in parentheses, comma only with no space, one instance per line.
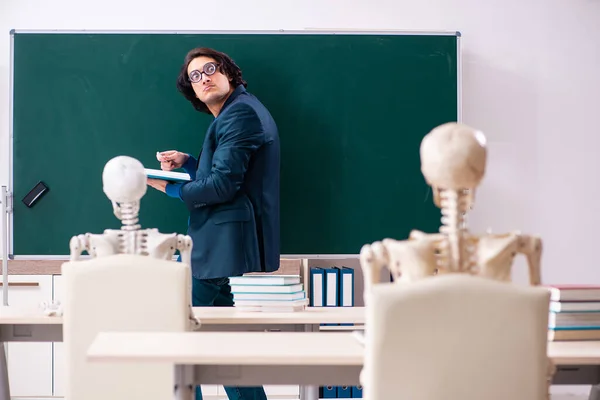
(226,66)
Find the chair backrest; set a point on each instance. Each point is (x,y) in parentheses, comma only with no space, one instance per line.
(456,337)
(121,293)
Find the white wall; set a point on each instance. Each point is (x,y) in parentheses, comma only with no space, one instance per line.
(531,83)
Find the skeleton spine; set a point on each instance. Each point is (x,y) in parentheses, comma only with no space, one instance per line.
(129,216)
(456,256)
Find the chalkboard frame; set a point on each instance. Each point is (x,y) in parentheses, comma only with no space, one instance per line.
(9,229)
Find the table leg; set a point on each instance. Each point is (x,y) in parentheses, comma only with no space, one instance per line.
(594,393)
(309,393)
(4,384)
(184,382)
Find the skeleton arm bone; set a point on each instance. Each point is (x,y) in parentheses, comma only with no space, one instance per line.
(78,244)
(373,257)
(184,245)
(531,247)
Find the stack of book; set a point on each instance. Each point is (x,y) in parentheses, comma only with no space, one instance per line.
(269,293)
(574,312)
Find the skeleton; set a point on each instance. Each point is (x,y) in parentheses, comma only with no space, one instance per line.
(453,161)
(124,183)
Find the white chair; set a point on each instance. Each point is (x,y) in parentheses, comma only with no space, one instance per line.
(456,337)
(122,292)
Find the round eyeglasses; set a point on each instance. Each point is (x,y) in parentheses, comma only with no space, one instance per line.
(209,68)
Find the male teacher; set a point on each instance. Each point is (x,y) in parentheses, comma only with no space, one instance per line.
(233,197)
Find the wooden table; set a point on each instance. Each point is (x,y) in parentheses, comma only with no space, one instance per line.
(21,325)
(31,325)
(306,359)
(313,359)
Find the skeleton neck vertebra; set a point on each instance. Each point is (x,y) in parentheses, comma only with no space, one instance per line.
(132,240)
(455,253)
(129,216)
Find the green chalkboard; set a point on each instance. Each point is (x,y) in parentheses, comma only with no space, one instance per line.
(351,108)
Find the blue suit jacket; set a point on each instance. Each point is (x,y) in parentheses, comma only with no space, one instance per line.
(233,197)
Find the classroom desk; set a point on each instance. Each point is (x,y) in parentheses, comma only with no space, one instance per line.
(32,326)
(18,325)
(21,325)
(315,359)
(226,358)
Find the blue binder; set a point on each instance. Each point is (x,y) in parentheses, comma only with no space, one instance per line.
(331,289)
(346,289)
(317,287)
(329,392)
(331,286)
(344,392)
(357,392)
(346,285)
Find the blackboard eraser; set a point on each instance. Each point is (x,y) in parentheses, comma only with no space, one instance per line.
(35,194)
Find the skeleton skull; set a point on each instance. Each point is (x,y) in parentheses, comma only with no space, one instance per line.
(124,180)
(453,157)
